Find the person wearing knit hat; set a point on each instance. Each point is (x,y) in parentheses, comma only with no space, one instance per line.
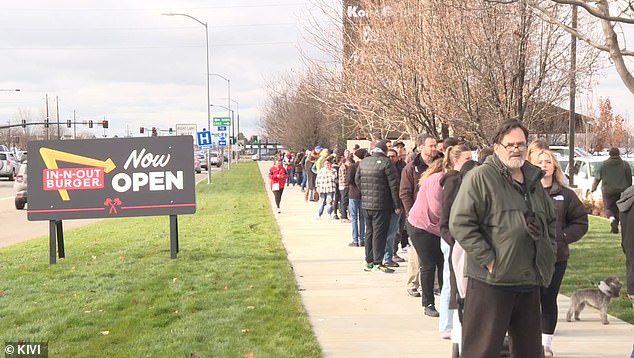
(377,180)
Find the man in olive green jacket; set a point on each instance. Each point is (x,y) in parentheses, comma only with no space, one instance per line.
(505,222)
(616,175)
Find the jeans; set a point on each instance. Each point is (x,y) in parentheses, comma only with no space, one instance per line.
(391,235)
(344,203)
(357,219)
(324,197)
(304,180)
(445,323)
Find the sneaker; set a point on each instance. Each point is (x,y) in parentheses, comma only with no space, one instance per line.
(362,243)
(279,211)
(445,335)
(382,268)
(614,226)
(353,244)
(390,264)
(345,221)
(368,267)
(335,217)
(548,353)
(430,311)
(397,258)
(413,292)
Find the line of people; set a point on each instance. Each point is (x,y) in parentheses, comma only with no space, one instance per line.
(509,215)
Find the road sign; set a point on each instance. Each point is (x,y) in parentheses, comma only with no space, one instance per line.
(222,142)
(204,140)
(222,121)
(186,129)
(222,129)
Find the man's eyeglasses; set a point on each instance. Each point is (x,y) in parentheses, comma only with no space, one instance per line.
(512,146)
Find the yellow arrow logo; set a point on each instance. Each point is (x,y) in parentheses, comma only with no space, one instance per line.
(52,156)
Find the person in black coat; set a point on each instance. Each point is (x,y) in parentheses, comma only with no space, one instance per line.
(572,224)
(377,180)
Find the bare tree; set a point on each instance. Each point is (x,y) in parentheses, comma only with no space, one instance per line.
(614,16)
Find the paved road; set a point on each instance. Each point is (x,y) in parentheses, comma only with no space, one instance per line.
(14,226)
(367,314)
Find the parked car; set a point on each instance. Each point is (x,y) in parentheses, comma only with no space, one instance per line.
(214,159)
(197,165)
(9,166)
(21,156)
(202,158)
(585,170)
(564,151)
(19,186)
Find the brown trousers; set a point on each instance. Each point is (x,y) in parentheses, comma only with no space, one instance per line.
(490,311)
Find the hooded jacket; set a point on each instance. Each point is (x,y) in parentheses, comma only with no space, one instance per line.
(496,219)
(616,175)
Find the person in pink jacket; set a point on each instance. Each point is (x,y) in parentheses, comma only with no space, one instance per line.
(277,175)
(423,227)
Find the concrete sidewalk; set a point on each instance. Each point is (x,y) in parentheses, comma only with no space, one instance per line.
(369,314)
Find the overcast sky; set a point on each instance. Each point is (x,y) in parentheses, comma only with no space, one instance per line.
(123,61)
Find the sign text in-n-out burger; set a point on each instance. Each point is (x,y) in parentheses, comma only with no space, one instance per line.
(115,177)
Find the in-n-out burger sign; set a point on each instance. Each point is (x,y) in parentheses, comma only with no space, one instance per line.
(111,177)
(154,180)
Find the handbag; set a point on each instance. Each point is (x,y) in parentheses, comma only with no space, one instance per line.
(275,186)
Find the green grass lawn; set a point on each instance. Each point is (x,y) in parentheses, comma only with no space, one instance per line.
(118,294)
(593,258)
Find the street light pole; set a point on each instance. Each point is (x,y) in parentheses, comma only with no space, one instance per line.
(208,95)
(237,130)
(228,107)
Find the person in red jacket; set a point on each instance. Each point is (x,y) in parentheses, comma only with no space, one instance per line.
(277,175)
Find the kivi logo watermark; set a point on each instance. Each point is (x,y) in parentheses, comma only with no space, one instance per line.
(26,349)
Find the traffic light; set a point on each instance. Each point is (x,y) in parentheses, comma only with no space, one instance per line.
(90,123)
(154,132)
(104,124)
(24,123)
(46,123)
(141,130)
(69,123)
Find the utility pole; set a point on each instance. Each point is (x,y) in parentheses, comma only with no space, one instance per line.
(59,135)
(573,93)
(48,123)
(74,125)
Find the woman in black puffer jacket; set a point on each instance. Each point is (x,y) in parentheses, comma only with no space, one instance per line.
(572,224)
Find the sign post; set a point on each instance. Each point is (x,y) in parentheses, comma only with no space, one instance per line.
(109,178)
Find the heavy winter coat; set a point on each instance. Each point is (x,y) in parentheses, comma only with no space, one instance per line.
(616,175)
(495,219)
(572,219)
(377,180)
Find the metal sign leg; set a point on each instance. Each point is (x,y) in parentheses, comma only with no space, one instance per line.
(173,236)
(60,239)
(52,233)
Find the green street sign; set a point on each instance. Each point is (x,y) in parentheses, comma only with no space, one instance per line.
(222,121)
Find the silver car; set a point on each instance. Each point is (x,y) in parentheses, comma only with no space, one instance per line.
(8,165)
(19,186)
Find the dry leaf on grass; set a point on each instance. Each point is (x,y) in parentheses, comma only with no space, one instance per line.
(104,333)
(244,330)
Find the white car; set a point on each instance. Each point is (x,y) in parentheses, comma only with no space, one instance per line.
(9,165)
(564,151)
(586,169)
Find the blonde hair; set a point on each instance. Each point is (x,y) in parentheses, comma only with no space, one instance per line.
(558,173)
(536,146)
(435,167)
(452,154)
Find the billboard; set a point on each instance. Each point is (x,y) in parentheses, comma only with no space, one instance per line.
(112,177)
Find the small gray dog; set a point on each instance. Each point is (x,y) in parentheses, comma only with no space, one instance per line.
(598,297)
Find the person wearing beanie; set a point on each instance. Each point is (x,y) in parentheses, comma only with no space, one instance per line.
(615,175)
(377,180)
